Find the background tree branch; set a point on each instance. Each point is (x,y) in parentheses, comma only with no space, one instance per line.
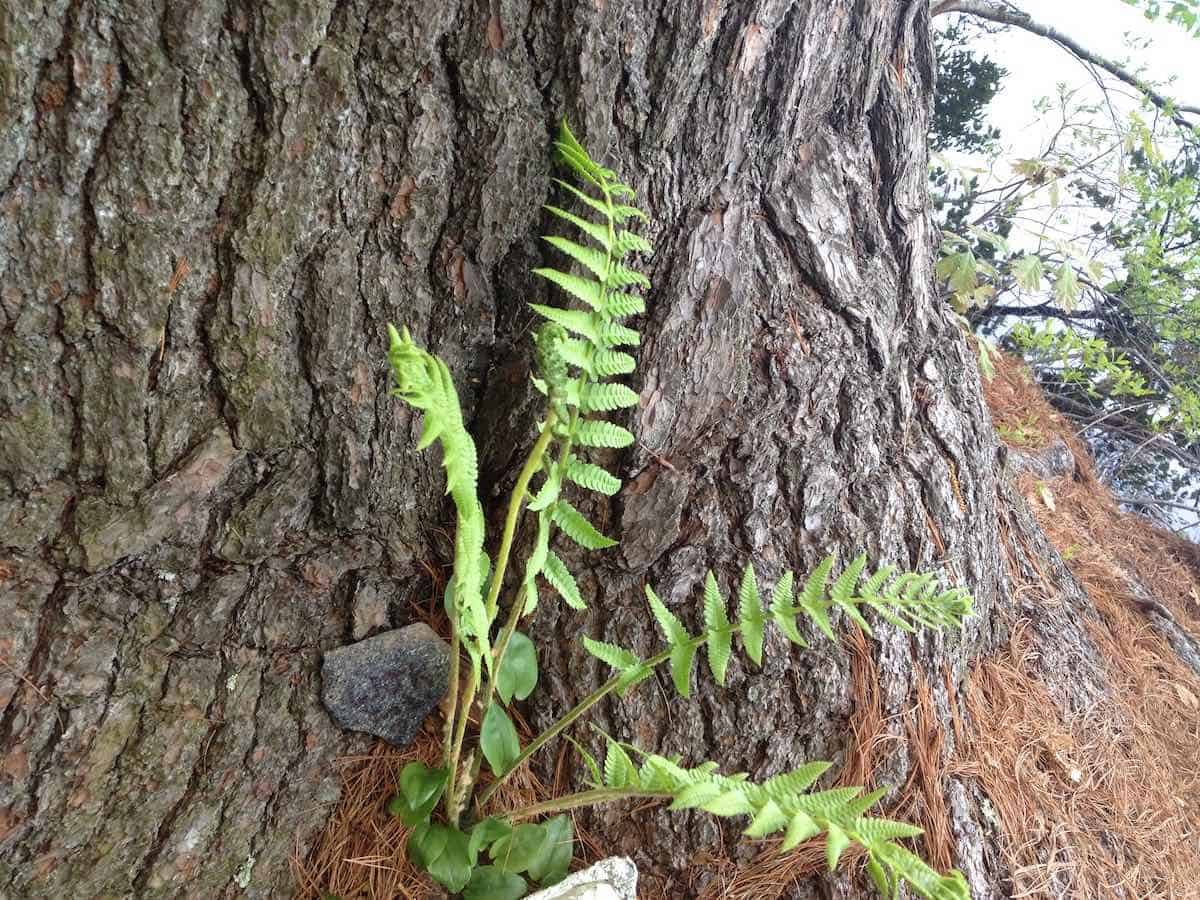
(1008,15)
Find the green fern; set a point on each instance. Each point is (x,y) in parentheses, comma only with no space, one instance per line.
(578,355)
(902,600)
(424,382)
(578,362)
(785,804)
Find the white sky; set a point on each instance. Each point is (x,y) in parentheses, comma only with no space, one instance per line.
(1036,65)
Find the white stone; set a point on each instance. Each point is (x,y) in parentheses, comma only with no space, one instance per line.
(614,878)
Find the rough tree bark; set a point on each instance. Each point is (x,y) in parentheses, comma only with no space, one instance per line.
(210,209)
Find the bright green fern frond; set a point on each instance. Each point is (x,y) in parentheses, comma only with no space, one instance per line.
(716,626)
(784,804)
(561,579)
(592,477)
(578,528)
(597,433)
(589,291)
(606,397)
(750,616)
(424,382)
(622,306)
(592,259)
(598,233)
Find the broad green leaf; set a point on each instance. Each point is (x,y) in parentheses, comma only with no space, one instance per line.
(552,864)
(579,529)
(452,867)
(518,850)
(425,844)
(493,883)
(498,739)
(716,626)
(958,270)
(556,572)
(420,790)
(1066,287)
(518,673)
(750,615)
(442,852)
(486,832)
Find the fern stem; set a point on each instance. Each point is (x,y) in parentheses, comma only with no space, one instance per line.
(451,706)
(563,724)
(453,806)
(583,798)
(532,465)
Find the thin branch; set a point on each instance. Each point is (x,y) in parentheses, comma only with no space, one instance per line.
(1010,16)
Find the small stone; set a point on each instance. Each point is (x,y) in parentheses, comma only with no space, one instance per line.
(614,878)
(387,684)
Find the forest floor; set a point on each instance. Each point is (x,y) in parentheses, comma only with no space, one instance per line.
(1106,804)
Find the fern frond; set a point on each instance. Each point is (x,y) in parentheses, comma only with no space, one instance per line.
(607,363)
(578,528)
(627,242)
(917,600)
(598,233)
(750,616)
(605,397)
(592,259)
(622,306)
(572,369)
(574,320)
(589,291)
(785,804)
(424,382)
(598,433)
(716,626)
(556,572)
(613,334)
(592,477)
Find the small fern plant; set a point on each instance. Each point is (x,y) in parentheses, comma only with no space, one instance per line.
(468,845)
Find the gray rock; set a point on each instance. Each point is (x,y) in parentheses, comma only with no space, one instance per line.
(614,878)
(388,684)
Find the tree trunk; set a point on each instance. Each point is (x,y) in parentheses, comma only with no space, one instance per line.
(211,209)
